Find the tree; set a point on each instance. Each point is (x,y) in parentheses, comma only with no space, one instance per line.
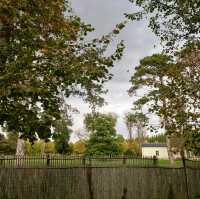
(173,93)
(79,147)
(61,137)
(35,148)
(103,139)
(8,144)
(129,118)
(177,23)
(161,138)
(131,149)
(173,21)
(44,53)
(186,84)
(139,121)
(151,74)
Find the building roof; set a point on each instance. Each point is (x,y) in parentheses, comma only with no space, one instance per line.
(154,145)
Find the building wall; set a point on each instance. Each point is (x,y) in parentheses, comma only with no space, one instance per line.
(151,151)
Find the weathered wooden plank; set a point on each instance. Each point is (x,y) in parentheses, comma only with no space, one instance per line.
(98,183)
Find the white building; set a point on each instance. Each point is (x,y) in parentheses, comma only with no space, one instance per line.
(155,149)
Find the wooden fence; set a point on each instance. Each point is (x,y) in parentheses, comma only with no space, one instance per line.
(79,177)
(99,183)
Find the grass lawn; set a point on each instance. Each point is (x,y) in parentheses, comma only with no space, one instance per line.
(166,163)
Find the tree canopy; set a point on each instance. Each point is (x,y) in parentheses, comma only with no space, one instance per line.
(160,138)
(103,139)
(8,144)
(136,120)
(61,136)
(173,92)
(175,22)
(43,52)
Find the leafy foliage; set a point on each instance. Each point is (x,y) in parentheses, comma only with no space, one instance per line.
(103,139)
(129,120)
(161,138)
(138,121)
(132,148)
(173,21)
(173,95)
(151,74)
(8,145)
(79,147)
(61,137)
(189,94)
(35,148)
(43,53)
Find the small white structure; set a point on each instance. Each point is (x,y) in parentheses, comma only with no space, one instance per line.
(155,149)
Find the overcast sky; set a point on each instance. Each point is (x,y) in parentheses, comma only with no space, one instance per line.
(139,41)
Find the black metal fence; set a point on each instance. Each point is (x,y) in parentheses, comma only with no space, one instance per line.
(64,161)
(193,164)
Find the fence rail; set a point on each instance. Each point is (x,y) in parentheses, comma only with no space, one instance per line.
(64,161)
(193,163)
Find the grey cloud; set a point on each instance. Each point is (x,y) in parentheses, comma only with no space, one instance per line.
(139,41)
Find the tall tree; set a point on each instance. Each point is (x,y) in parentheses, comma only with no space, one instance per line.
(43,53)
(173,94)
(151,74)
(139,121)
(161,138)
(103,138)
(175,22)
(185,106)
(61,136)
(129,118)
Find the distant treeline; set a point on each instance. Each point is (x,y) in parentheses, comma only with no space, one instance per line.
(8,145)
(161,138)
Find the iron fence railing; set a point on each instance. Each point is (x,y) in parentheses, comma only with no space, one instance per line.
(65,161)
(193,163)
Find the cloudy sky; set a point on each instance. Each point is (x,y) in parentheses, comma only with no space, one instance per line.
(139,41)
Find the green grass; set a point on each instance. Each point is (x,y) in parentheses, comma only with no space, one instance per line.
(166,163)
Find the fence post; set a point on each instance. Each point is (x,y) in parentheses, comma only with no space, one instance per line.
(124,160)
(90,161)
(2,158)
(185,173)
(155,160)
(48,160)
(83,160)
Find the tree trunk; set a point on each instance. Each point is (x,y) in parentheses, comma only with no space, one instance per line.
(2,33)
(20,151)
(166,123)
(169,150)
(42,149)
(130,138)
(139,137)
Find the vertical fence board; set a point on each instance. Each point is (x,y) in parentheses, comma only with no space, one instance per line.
(77,179)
